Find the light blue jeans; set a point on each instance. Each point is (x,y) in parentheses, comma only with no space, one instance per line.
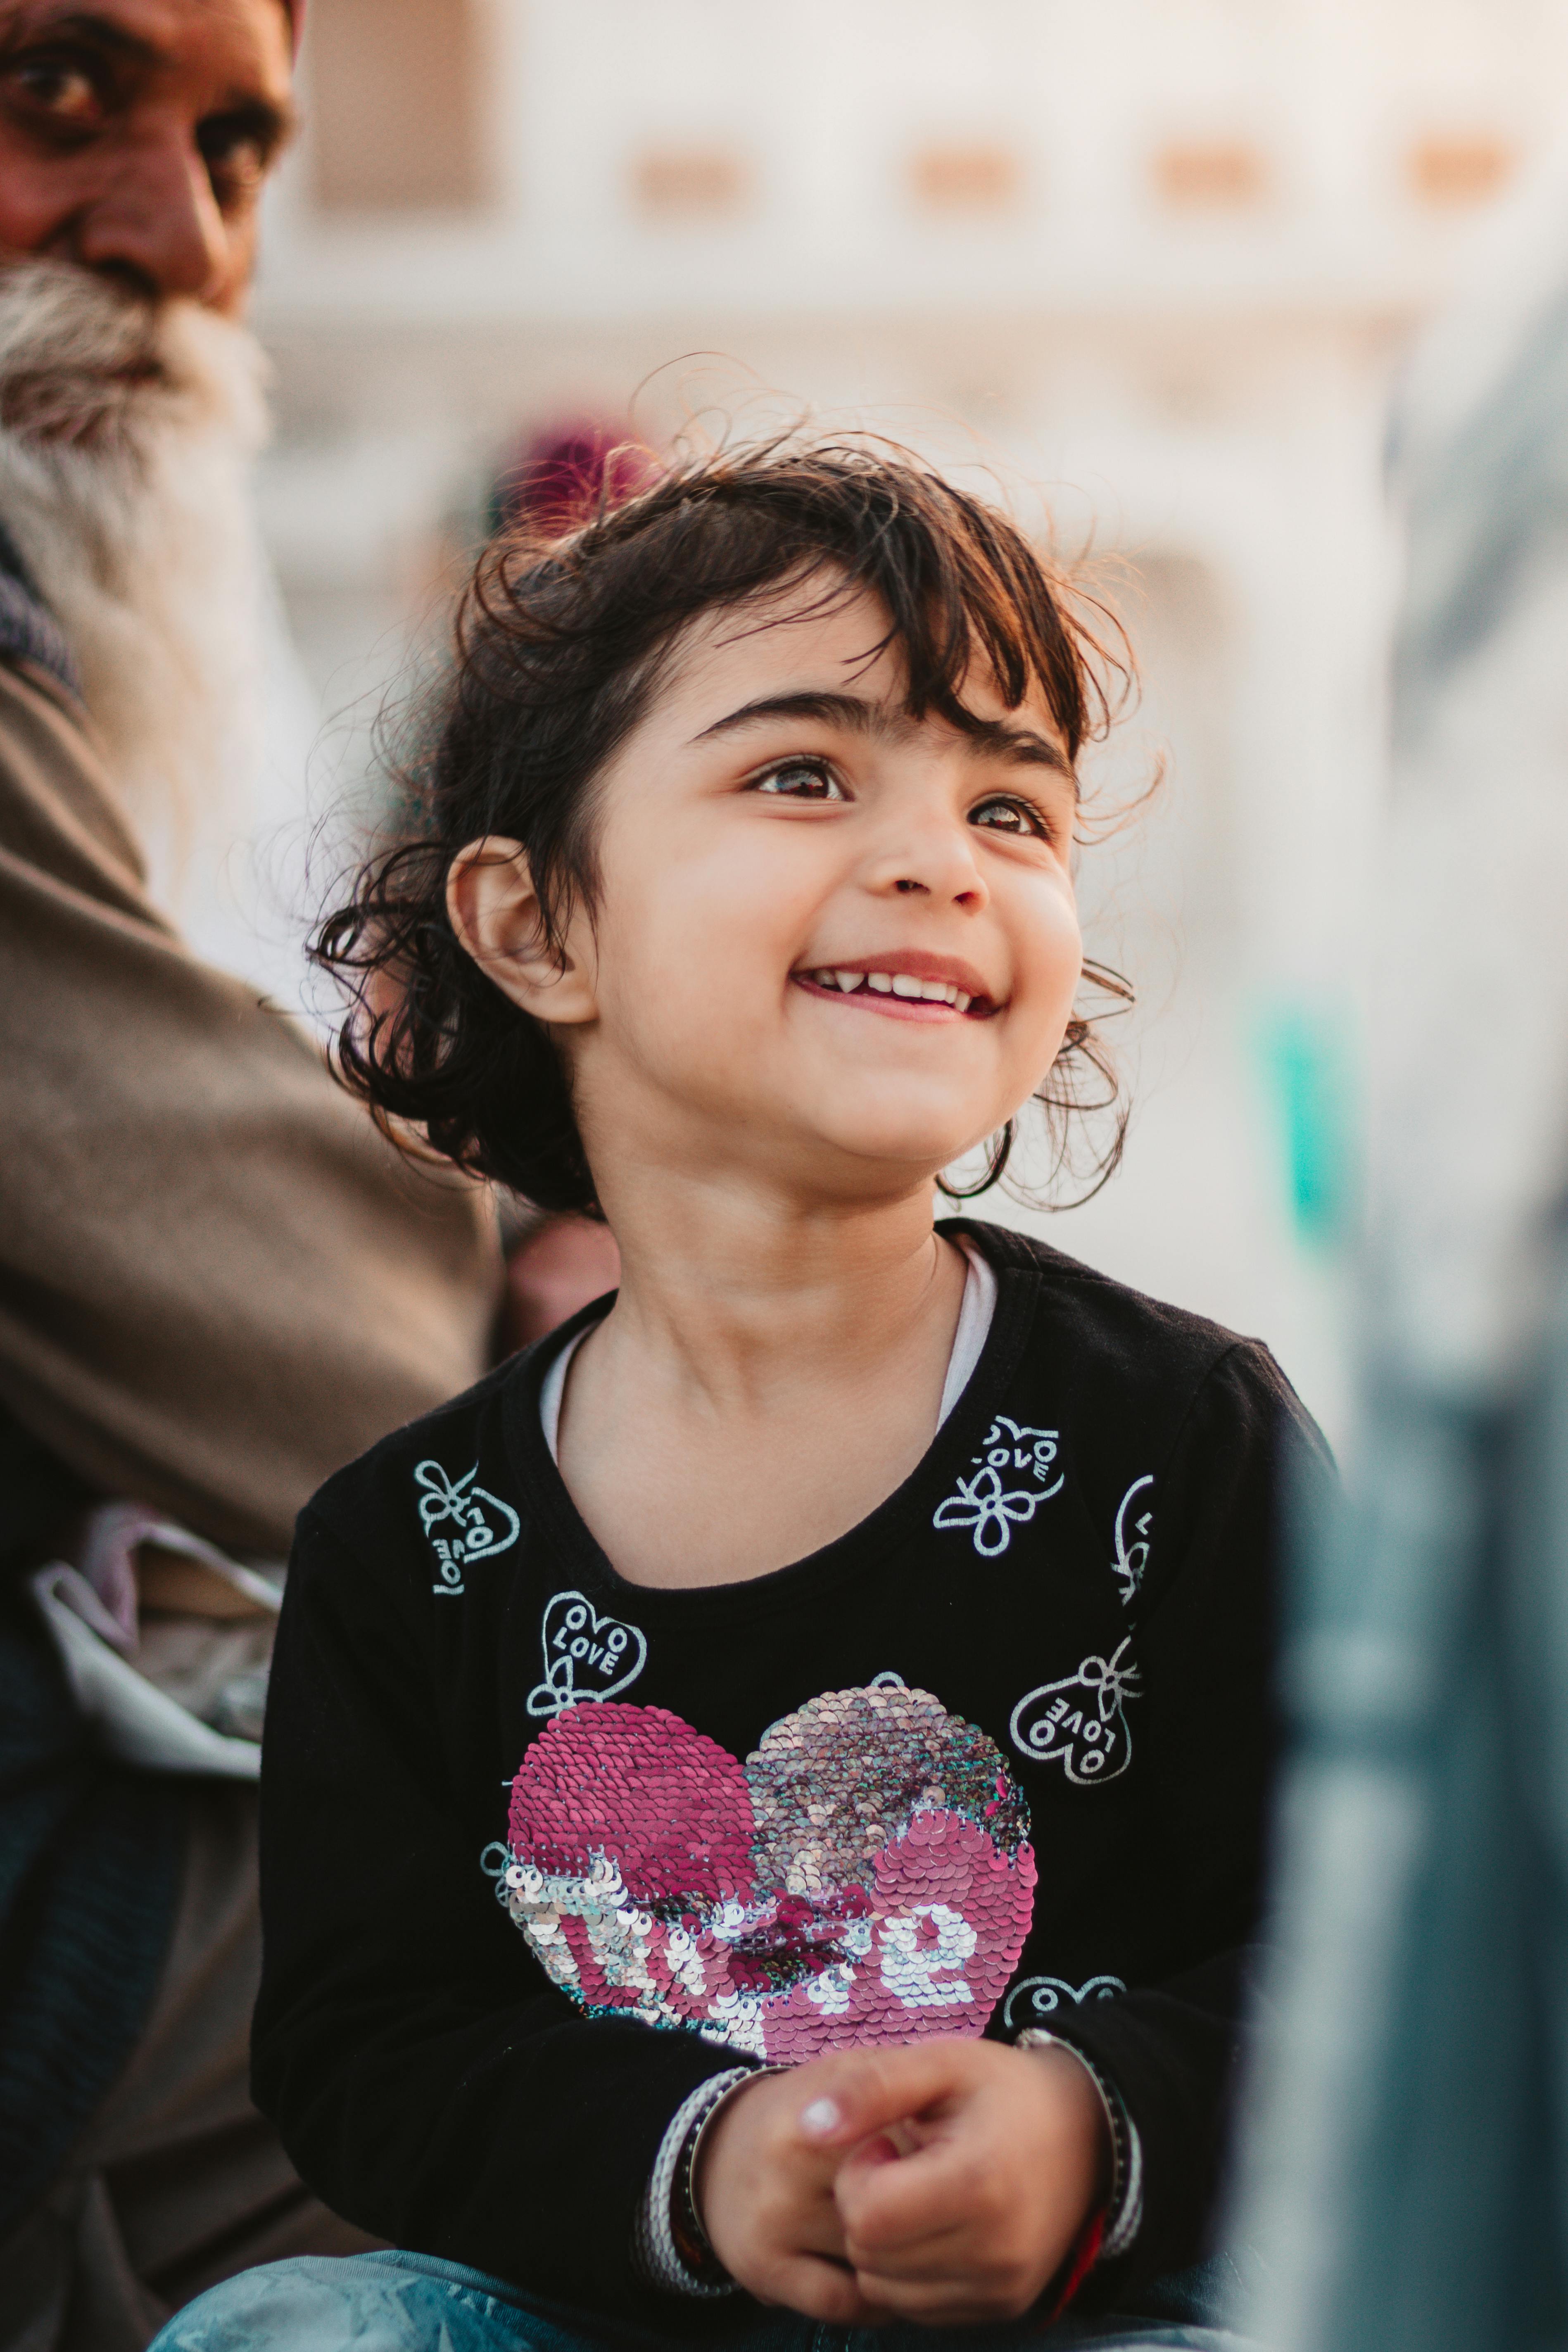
(412,2303)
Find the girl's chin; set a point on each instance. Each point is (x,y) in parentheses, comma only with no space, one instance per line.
(903,1156)
(900,1132)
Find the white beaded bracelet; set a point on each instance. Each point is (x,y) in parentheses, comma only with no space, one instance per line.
(1124,2210)
(654,2253)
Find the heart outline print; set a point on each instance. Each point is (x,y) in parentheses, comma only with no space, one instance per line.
(1131,1560)
(476,1539)
(1046,1994)
(572,1634)
(1047,1727)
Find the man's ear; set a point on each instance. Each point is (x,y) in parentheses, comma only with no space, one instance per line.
(493,908)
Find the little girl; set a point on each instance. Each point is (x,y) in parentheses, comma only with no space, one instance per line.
(764,1795)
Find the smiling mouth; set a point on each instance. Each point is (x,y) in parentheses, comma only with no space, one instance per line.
(901,994)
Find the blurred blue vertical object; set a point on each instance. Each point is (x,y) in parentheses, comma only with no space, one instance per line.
(1307,1066)
(1405,2180)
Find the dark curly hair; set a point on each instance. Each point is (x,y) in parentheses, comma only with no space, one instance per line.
(560,644)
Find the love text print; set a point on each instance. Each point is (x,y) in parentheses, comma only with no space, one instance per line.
(1131,1558)
(985,1503)
(1080,1722)
(482,1524)
(586,1656)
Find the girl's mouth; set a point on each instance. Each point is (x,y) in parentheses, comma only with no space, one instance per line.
(898,993)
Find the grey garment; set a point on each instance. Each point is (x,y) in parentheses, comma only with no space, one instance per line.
(1405,2177)
(177,2181)
(1404,2180)
(412,2303)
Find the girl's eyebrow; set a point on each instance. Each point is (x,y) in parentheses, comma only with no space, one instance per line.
(993,739)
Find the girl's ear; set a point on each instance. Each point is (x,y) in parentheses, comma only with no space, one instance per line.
(493,908)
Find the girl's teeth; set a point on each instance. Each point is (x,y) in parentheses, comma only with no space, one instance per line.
(899,983)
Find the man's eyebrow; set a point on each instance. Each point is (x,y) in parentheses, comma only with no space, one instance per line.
(268,120)
(993,738)
(79,25)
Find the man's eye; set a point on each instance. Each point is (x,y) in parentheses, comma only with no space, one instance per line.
(1007,816)
(236,162)
(802,780)
(54,86)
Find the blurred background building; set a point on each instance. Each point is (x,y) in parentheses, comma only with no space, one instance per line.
(1152,262)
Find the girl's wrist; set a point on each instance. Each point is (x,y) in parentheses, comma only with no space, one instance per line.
(688,2220)
(1074,2075)
(668,2253)
(1119,2194)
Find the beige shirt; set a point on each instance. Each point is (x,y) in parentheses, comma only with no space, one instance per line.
(217,1281)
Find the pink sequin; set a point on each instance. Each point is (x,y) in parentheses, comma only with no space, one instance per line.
(639,1785)
(865,1879)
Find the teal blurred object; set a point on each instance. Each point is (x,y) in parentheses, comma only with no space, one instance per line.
(1308,1073)
(1408,2189)
(1405,2177)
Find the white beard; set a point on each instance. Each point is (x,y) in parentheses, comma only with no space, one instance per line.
(127,430)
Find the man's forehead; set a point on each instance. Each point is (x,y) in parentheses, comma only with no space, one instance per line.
(158,30)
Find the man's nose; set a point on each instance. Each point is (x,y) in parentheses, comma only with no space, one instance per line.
(157,221)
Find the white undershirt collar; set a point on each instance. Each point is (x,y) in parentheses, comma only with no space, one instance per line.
(968,1341)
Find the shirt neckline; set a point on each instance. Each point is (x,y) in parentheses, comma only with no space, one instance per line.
(975,1313)
(901,1515)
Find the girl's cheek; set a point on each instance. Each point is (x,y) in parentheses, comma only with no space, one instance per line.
(1056,944)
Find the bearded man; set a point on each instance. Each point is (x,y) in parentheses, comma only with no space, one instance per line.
(217,1282)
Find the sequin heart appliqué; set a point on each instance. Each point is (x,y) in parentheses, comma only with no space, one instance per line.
(866,1877)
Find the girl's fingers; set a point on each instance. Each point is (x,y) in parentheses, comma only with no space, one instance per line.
(823,2290)
(922,2261)
(925,2198)
(819,2230)
(951,2302)
(868,2090)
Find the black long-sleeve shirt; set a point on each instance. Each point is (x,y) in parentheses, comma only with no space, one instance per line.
(543,1849)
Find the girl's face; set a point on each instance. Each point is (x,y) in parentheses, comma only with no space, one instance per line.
(833,946)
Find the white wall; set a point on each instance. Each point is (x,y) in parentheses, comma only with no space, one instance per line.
(1202,391)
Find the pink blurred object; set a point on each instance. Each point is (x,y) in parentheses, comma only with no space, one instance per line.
(556,478)
(562,1265)
(105,1555)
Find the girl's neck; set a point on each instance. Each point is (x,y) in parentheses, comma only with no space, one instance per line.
(733,1292)
(768,1374)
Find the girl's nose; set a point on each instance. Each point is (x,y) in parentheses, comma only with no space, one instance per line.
(933,858)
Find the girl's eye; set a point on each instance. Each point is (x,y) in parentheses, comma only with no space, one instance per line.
(1007,816)
(801,779)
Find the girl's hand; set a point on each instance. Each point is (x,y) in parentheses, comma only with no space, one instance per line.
(966,2212)
(763,2188)
(945,2182)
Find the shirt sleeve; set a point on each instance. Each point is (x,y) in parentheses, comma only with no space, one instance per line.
(427,2079)
(1247,1465)
(217,1281)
